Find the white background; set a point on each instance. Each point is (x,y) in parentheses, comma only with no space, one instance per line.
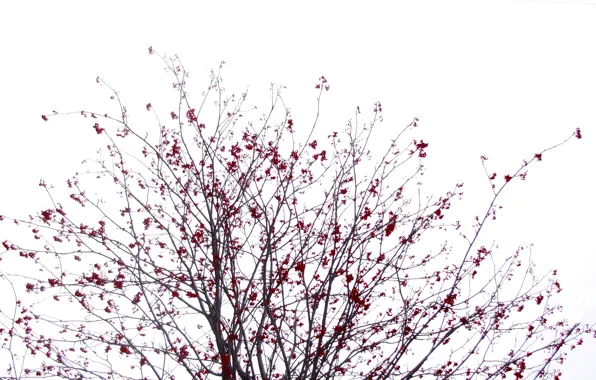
(499,78)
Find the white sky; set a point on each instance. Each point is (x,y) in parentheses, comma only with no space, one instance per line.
(502,78)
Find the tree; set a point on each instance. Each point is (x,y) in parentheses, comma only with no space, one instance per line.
(230,250)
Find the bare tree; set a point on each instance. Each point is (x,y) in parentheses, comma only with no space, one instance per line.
(225,248)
